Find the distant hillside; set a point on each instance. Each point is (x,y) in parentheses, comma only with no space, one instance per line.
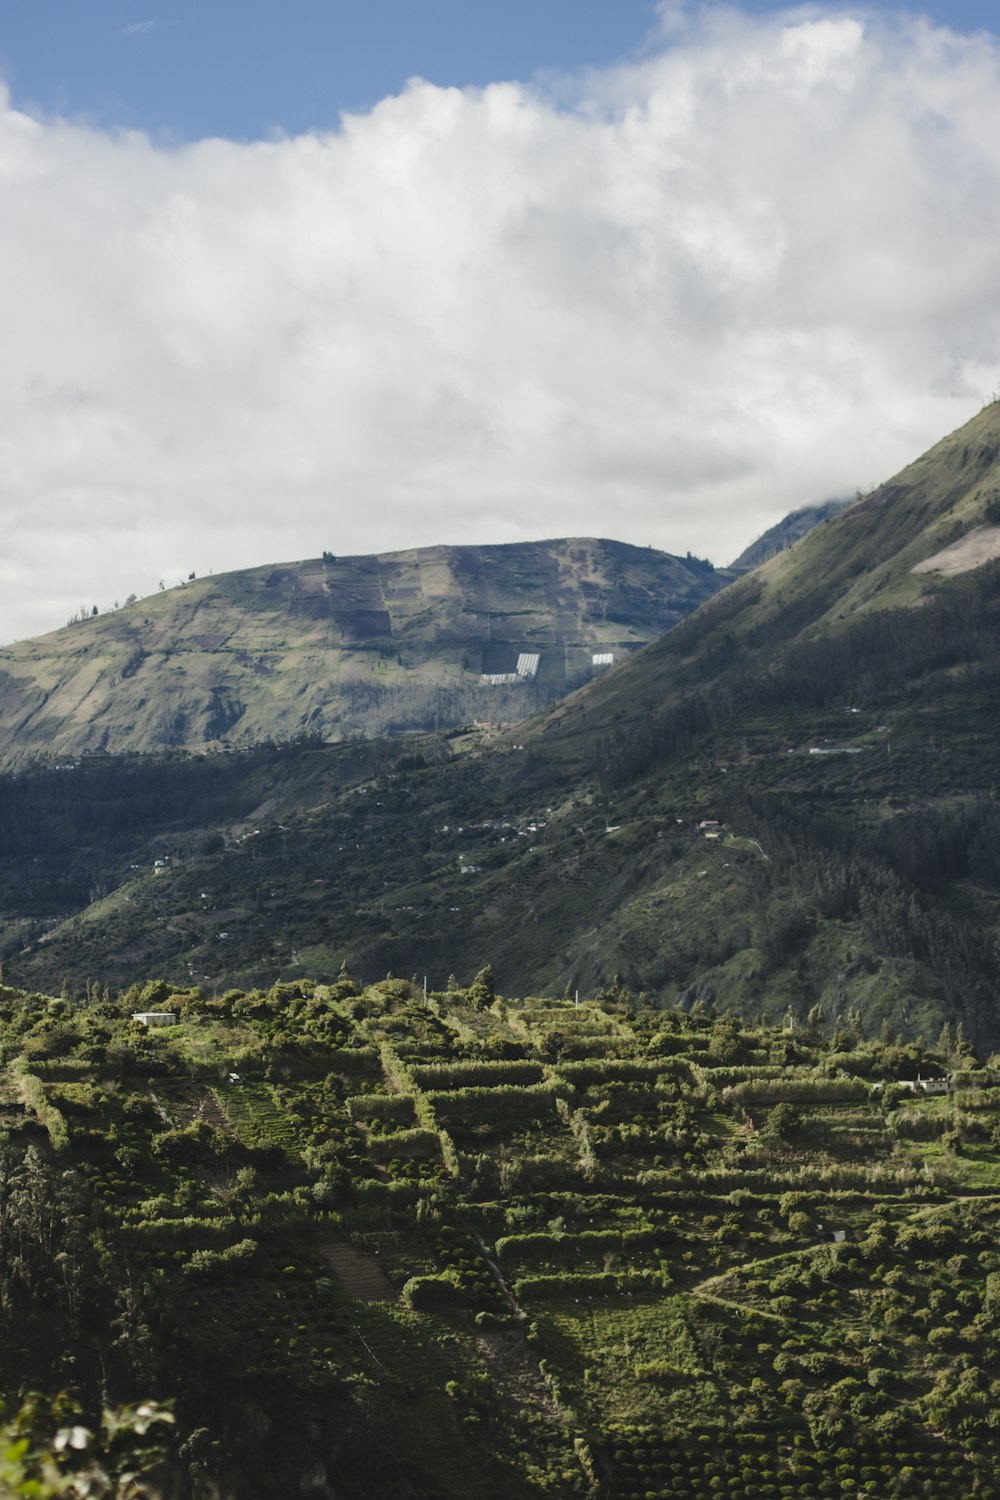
(343,646)
(786,802)
(791,529)
(883,591)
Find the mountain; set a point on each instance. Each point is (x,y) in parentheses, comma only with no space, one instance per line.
(783,805)
(337,647)
(720,1220)
(786,531)
(884,592)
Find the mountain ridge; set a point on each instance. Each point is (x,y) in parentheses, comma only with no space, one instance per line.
(784,533)
(870,558)
(381,643)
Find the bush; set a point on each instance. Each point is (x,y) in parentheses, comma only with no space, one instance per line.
(433,1294)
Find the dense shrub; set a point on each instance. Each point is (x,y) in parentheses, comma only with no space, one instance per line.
(433,1293)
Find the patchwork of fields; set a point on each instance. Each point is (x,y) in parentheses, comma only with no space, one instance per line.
(464,1246)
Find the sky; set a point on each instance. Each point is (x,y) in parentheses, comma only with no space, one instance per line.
(372,275)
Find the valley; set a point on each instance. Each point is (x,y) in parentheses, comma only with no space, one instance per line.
(595,1100)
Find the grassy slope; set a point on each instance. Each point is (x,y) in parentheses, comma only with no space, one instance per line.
(860,563)
(356,645)
(786,531)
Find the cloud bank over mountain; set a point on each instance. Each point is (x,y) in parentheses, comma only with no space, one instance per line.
(666,303)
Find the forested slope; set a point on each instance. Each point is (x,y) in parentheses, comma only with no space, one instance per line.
(832,720)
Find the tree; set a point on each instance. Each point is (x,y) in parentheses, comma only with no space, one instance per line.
(785,1121)
(816,1018)
(482,990)
(725,1043)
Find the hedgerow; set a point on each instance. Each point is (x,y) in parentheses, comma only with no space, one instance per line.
(435,1077)
(588,1284)
(796,1091)
(539,1245)
(504,1101)
(33,1093)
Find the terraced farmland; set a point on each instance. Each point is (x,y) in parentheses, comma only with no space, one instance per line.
(534,1248)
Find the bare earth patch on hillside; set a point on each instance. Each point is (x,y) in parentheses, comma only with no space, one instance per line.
(978,546)
(360,1275)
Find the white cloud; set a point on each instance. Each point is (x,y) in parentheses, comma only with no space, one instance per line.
(758,268)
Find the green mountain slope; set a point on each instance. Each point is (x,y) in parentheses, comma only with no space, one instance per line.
(339,647)
(908,559)
(786,531)
(832,718)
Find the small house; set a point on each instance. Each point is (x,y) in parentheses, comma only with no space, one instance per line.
(155,1017)
(934,1085)
(923,1085)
